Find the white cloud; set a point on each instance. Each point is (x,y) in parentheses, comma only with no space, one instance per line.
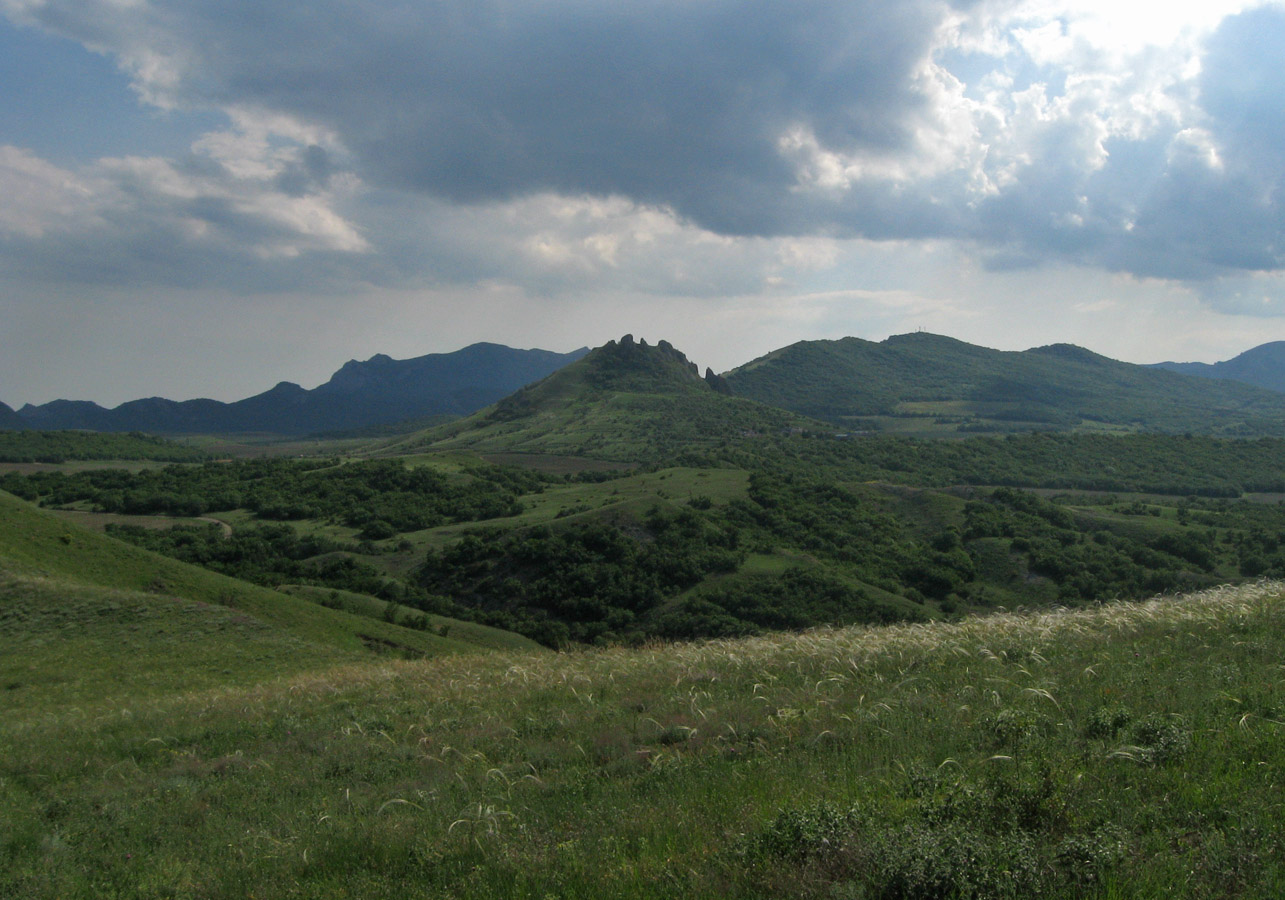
(39,196)
(842,166)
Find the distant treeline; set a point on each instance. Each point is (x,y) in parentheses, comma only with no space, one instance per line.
(1177,465)
(380,497)
(66,446)
(827,532)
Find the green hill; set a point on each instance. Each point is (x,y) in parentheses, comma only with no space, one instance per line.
(625,401)
(927,380)
(1262,366)
(1126,750)
(81,612)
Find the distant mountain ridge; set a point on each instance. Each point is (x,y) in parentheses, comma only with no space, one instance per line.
(10,420)
(911,382)
(626,400)
(378,391)
(1262,366)
(862,383)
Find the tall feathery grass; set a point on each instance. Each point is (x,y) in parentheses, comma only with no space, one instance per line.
(1130,749)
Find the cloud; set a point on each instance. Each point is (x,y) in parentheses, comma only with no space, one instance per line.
(238,203)
(562,143)
(667,102)
(38,195)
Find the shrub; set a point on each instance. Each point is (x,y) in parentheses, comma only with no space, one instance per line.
(928,861)
(1107,721)
(800,834)
(1159,740)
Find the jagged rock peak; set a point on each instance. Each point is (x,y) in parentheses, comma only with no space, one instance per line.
(717,382)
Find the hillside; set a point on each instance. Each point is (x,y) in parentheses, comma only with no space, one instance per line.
(59,446)
(378,391)
(10,420)
(929,381)
(1127,750)
(1262,366)
(45,557)
(625,401)
(777,532)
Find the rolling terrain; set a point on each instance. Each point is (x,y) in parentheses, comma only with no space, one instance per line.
(932,383)
(43,558)
(986,758)
(918,383)
(625,401)
(308,695)
(1262,366)
(380,390)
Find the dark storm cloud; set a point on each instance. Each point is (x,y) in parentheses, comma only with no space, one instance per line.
(669,102)
(686,105)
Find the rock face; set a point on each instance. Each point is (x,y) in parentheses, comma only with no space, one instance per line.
(717,382)
(625,401)
(380,390)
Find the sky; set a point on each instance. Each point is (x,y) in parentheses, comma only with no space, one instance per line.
(201,198)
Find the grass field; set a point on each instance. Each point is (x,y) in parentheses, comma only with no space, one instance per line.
(96,521)
(465,635)
(1129,750)
(34,544)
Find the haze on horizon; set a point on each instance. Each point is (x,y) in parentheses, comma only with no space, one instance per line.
(203,199)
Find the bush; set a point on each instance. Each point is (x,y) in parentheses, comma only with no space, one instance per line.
(1160,740)
(800,834)
(378,530)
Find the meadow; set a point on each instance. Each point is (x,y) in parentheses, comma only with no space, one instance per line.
(801,531)
(170,731)
(1124,750)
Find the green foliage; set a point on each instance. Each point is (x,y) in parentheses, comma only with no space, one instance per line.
(34,544)
(374,495)
(1145,463)
(831,764)
(61,446)
(624,401)
(802,834)
(1159,740)
(583,561)
(944,382)
(799,598)
(464,635)
(593,578)
(265,554)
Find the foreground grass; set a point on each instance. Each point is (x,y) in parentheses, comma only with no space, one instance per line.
(1123,751)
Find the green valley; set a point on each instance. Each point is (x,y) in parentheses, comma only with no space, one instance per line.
(795,662)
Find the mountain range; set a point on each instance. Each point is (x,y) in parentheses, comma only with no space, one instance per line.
(378,391)
(627,393)
(922,378)
(626,400)
(1262,366)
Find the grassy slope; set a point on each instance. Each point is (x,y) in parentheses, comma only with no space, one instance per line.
(625,402)
(35,544)
(1125,751)
(929,375)
(64,644)
(463,635)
